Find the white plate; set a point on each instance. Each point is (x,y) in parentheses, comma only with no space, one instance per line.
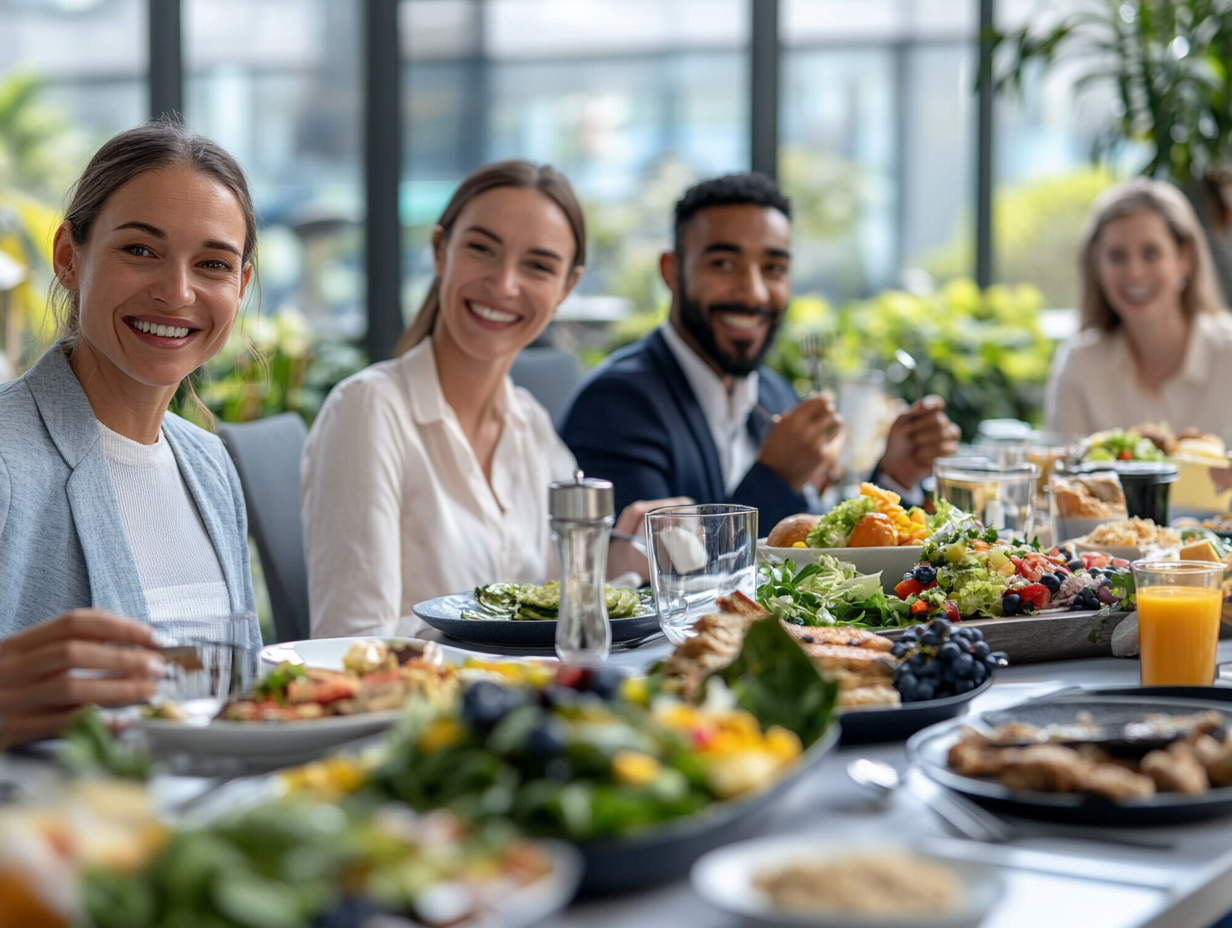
(891,563)
(264,743)
(328,652)
(724,878)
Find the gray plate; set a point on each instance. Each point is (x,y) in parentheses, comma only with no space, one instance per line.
(897,723)
(445,614)
(667,851)
(928,750)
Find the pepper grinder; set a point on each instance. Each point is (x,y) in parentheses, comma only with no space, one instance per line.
(582,513)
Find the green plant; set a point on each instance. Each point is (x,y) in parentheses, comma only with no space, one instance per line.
(1168,61)
(270,365)
(981,350)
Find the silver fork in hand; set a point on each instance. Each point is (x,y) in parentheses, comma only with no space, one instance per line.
(811,351)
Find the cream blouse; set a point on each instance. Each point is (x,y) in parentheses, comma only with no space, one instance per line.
(396,508)
(1092,386)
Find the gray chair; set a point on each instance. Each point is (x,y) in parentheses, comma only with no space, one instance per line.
(550,374)
(266,455)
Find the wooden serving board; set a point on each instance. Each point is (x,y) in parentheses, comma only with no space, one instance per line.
(1057,637)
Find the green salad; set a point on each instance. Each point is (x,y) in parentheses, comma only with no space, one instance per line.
(827,593)
(1119,445)
(526,602)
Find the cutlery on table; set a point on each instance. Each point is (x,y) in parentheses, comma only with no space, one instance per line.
(909,364)
(971,820)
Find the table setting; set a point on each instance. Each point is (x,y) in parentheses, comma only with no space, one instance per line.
(762,735)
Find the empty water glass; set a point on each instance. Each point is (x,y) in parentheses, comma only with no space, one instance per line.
(697,555)
(1000,496)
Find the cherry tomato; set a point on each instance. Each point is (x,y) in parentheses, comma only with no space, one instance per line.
(1037,595)
(907,587)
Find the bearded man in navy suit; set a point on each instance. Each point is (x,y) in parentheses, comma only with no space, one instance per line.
(691,411)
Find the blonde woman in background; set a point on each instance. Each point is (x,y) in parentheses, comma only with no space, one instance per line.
(427,474)
(1155,343)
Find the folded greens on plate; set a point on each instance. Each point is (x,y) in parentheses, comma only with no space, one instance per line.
(828,593)
(527,602)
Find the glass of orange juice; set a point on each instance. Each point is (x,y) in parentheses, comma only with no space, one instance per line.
(1179,605)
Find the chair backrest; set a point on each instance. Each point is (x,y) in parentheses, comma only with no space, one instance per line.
(266,455)
(551,375)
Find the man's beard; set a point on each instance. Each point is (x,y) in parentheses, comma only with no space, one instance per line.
(739,362)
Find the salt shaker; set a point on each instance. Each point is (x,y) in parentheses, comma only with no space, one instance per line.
(582,513)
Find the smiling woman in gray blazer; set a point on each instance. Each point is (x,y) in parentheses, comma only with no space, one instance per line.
(120,523)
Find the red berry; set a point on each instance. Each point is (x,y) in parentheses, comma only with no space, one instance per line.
(1037,595)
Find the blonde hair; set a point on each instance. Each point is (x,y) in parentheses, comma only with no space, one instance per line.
(1201,292)
(514,173)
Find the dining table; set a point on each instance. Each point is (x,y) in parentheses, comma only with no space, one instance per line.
(1051,880)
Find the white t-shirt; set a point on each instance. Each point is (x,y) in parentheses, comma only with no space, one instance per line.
(185,591)
(1092,386)
(396,507)
(727,411)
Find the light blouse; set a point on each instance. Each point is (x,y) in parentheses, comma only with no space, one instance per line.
(395,505)
(1092,386)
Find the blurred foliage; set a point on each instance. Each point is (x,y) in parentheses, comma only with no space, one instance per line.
(270,365)
(1167,61)
(826,192)
(1037,235)
(982,351)
(40,154)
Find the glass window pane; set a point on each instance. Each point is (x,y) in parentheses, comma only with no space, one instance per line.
(278,83)
(1045,181)
(632,100)
(71,76)
(877,131)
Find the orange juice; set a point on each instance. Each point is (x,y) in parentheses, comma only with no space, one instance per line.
(1178,630)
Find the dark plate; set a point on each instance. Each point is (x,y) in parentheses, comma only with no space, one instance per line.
(445,614)
(897,723)
(666,852)
(928,749)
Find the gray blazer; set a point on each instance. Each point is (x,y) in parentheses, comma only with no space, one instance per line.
(62,541)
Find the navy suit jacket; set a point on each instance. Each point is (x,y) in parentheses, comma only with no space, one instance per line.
(636,422)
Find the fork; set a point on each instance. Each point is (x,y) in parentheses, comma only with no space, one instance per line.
(811,351)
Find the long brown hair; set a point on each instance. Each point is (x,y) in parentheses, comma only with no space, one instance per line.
(1201,293)
(515,173)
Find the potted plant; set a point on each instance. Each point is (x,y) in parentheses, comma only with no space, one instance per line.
(1170,65)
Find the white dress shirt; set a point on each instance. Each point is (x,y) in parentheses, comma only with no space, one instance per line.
(726,410)
(1092,386)
(397,510)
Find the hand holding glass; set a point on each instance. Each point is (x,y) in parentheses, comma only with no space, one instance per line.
(1179,607)
(698,554)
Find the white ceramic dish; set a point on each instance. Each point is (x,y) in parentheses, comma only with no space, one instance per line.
(328,652)
(724,878)
(891,563)
(263,743)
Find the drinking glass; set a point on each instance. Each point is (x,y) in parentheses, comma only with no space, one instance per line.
(1000,496)
(208,661)
(698,554)
(1179,605)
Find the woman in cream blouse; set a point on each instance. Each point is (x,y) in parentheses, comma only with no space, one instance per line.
(427,474)
(1156,342)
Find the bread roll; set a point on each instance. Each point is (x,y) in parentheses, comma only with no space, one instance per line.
(792,529)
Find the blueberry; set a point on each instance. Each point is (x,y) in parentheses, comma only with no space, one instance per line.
(964,666)
(979,673)
(981,650)
(1075,564)
(1052,581)
(906,681)
(1011,603)
(930,671)
(924,691)
(898,650)
(925,574)
(964,685)
(547,739)
(976,634)
(605,681)
(940,627)
(485,703)
(909,638)
(930,639)
(997,658)
(949,651)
